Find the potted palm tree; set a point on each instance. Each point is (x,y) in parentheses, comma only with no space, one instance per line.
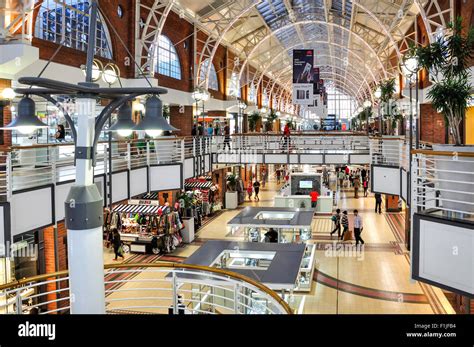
(388,107)
(271,118)
(447,60)
(231,197)
(253,120)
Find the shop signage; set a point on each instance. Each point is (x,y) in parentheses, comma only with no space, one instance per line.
(144,202)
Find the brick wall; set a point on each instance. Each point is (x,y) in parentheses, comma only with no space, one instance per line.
(182,121)
(5,135)
(180,33)
(56,260)
(432,127)
(125,28)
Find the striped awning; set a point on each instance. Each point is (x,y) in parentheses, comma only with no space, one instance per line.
(149,196)
(197,184)
(143,209)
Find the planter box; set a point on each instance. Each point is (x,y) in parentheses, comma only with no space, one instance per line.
(188,232)
(453,178)
(231,200)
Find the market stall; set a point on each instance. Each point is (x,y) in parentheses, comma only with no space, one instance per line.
(145,226)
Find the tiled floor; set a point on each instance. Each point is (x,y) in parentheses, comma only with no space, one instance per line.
(374,280)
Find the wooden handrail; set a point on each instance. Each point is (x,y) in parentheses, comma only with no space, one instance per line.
(443,153)
(165,265)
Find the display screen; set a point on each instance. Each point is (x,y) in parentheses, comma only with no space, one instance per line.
(306,184)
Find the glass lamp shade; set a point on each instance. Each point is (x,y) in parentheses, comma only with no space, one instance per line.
(110,74)
(154,122)
(242,105)
(360,110)
(8,94)
(124,124)
(26,122)
(367,103)
(378,93)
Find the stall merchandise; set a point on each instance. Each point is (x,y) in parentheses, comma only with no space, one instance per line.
(146,228)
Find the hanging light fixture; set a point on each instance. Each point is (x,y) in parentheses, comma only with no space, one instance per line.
(154,123)
(97,70)
(110,74)
(124,124)
(360,110)
(367,103)
(8,94)
(26,122)
(378,93)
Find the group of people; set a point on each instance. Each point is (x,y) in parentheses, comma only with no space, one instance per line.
(355,178)
(202,129)
(253,189)
(343,220)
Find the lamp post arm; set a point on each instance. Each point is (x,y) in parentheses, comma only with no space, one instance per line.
(65,113)
(105,115)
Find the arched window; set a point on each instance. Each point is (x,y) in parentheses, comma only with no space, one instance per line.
(166,60)
(66,23)
(234,85)
(265,100)
(253,94)
(213,82)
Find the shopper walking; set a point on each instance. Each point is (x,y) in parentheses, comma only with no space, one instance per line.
(194,130)
(314,198)
(341,177)
(356,184)
(286,135)
(278,175)
(345,224)
(378,203)
(250,191)
(336,218)
(118,250)
(366,187)
(256,189)
(226,136)
(358,227)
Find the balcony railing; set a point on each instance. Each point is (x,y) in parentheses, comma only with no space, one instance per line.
(443,183)
(24,167)
(158,288)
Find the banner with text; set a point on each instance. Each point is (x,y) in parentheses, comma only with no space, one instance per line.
(303,88)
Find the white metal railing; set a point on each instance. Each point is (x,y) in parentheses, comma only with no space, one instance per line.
(389,151)
(33,166)
(443,183)
(158,288)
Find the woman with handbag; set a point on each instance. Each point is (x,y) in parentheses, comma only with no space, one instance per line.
(118,249)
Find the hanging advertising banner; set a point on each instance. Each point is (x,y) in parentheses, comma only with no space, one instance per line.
(303,60)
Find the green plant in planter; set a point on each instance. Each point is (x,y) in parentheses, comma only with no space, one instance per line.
(389,111)
(447,60)
(365,115)
(271,118)
(253,120)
